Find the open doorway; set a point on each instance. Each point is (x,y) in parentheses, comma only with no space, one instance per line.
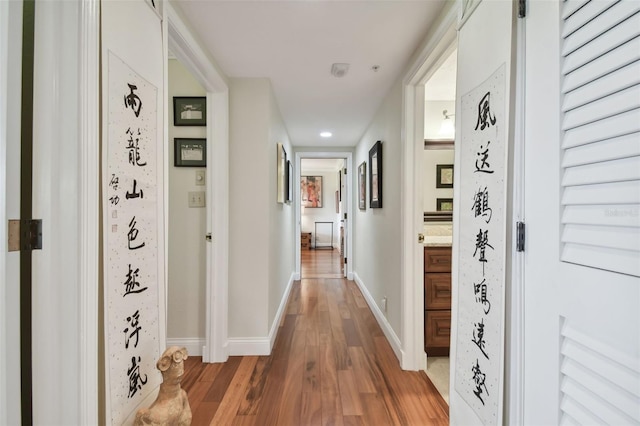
(186,289)
(322,231)
(437,191)
(322,202)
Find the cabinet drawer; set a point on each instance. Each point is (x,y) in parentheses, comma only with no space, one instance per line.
(437,330)
(437,291)
(437,259)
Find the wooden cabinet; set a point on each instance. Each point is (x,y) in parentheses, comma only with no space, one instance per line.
(437,300)
(305,240)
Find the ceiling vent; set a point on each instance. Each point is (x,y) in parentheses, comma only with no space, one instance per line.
(339,70)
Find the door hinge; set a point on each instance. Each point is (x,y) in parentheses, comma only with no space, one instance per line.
(522,8)
(25,235)
(520,236)
(345,260)
(421,238)
(345,171)
(345,216)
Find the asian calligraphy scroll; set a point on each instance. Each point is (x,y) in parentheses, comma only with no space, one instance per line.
(132,286)
(481,268)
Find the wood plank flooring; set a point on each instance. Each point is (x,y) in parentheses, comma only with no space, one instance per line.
(330,365)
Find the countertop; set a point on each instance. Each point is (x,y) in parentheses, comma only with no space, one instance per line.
(438,234)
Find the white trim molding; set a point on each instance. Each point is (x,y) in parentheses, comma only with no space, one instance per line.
(391,336)
(194,345)
(186,48)
(262,346)
(89,207)
(273,333)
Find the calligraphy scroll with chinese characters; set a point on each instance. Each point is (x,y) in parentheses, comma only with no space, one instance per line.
(130,203)
(481,266)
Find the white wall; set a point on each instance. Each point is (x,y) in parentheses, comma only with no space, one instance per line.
(377,232)
(187,226)
(433,117)
(261,257)
(433,157)
(281,216)
(328,211)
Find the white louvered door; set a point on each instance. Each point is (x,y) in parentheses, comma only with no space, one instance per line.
(582,209)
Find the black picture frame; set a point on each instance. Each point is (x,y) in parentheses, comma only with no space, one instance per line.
(444,176)
(289,180)
(444,204)
(189,111)
(375,176)
(190,152)
(362,186)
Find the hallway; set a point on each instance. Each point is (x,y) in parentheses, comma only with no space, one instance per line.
(330,365)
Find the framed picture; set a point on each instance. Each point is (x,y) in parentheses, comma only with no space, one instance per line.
(190,152)
(375,176)
(362,186)
(444,204)
(311,190)
(189,111)
(282,165)
(289,182)
(444,176)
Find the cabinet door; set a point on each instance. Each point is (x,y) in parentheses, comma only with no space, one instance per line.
(437,291)
(438,329)
(437,259)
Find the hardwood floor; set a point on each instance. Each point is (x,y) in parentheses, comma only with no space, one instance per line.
(330,365)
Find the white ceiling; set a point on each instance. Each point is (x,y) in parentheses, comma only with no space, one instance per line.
(295,42)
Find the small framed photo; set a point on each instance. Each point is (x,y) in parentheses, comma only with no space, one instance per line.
(444,204)
(189,111)
(375,176)
(190,152)
(362,186)
(444,176)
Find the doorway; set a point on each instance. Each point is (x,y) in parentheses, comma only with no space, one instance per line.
(327,227)
(322,231)
(187,50)
(187,201)
(437,201)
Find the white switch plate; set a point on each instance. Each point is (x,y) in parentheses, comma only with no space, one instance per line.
(200,177)
(196,199)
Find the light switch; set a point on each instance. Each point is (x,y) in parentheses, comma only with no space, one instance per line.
(200,177)
(196,199)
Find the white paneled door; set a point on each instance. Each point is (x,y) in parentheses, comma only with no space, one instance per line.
(582,206)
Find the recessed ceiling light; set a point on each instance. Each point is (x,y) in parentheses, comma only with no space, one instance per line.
(326,134)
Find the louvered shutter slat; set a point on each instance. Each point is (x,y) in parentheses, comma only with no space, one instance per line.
(620,57)
(610,149)
(616,36)
(601,140)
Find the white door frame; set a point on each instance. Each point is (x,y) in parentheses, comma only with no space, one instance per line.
(348,156)
(195,59)
(440,45)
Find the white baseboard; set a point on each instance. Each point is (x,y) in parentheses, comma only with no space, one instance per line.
(249,346)
(391,336)
(278,318)
(194,345)
(261,346)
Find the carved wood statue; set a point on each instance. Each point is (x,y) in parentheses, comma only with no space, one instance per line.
(171,407)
